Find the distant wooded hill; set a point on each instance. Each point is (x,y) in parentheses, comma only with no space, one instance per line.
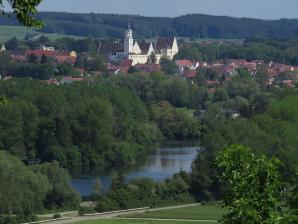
(193,25)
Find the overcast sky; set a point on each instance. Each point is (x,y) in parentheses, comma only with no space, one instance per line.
(265,9)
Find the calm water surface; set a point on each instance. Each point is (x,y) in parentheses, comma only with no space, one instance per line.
(160,165)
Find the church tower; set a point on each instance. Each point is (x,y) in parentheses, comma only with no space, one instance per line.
(128,41)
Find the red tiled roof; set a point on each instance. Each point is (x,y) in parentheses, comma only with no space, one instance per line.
(289,83)
(41,53)
(18,57)
(67,59)
(77,79)
(209,82)
(184,63)
(148,67)
(126,62)
(190,74)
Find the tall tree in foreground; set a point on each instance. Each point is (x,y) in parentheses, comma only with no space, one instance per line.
(252,184)
(293,203)
(25,11)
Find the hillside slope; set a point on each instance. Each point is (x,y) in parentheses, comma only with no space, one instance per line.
(193,25)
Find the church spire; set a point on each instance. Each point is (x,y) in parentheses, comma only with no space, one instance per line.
(128,41)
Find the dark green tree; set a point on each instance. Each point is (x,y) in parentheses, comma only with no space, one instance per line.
(32,58)
(98,64)
(168,66)
(12,44)
(43,59)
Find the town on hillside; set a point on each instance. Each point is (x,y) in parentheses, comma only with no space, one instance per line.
(169,118)
(113,57)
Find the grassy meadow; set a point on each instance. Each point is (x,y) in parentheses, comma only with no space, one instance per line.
(7,32)
(206,213)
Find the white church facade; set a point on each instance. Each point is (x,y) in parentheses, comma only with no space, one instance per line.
(139,53)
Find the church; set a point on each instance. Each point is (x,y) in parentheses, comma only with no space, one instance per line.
(139,53)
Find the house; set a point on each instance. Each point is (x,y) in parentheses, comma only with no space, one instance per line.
(138,52)
(59,56)
(65,59)
(148,68)
(8,77)
(190,74)
(212,82)
(289,83)
(18,57)
(186,65)
(237,63)
(51,82)
(40,53)
(126,63)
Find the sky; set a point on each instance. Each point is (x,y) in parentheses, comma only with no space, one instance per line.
(263,9)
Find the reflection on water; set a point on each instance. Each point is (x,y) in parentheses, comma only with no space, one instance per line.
(162,164)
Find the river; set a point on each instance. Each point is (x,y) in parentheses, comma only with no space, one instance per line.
(163,163)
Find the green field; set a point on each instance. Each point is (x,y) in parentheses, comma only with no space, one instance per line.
(113,221)
(206,212)
(7,32)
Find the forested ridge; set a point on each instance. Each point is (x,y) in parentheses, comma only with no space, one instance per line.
(192,25)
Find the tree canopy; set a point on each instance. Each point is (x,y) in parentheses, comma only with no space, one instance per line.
(25,11)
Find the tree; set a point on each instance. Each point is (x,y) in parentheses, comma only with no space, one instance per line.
(169,66)
(32,58)
(61,194)
(12,44)
(118,181)
(152,58)
(220,95)
(43,59)
(252,184)
(132,69)
(22,191)
(98,64)
(204,185)
(25,11)
(5,59)
(43,40)
(97,188)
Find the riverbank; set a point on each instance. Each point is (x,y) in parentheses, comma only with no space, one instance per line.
(165,161)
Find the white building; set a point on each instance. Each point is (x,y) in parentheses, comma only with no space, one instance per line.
(139,53)
(3,48)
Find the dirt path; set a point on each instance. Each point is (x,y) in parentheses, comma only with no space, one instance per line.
(116,214)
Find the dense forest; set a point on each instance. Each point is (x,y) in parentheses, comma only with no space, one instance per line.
(101,124)
(193,25)
(277,50)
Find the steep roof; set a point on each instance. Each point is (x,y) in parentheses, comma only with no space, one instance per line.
(108,47)
(164,43)
(184,63)
(3,48)
(144,46)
